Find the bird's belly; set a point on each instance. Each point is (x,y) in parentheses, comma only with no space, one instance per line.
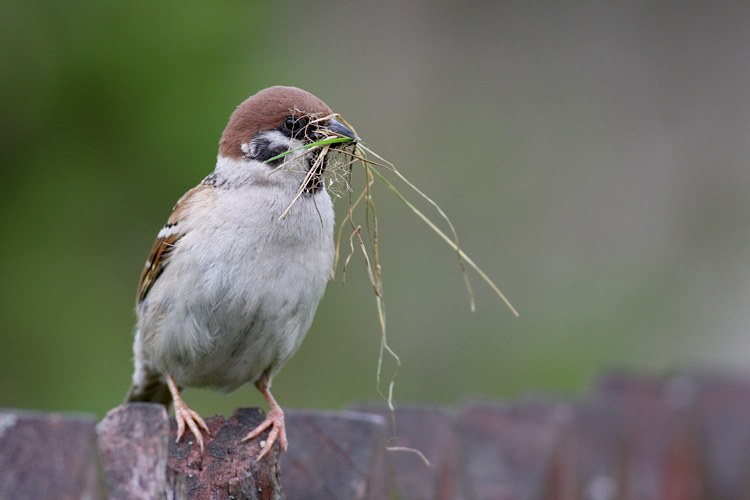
(223,326)
(245,343)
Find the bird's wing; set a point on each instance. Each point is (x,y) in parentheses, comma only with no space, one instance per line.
(165,243)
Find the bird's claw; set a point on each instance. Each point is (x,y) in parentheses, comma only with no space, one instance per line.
(185,416)
(275,420)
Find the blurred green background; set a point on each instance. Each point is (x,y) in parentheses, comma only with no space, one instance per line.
(593,156)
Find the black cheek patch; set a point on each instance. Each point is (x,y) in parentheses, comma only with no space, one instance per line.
(262,150)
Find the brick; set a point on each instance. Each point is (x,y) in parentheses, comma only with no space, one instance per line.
(228,469)
(516,452)
(49,456)
(429,430)
(335,455)
(133,443)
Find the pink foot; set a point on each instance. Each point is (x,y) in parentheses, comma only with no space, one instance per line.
(184,416)
(274,419)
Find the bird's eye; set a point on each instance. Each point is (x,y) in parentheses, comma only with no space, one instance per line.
(295,125)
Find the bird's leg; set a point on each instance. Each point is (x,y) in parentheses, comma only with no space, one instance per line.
(185,416)
(274,419)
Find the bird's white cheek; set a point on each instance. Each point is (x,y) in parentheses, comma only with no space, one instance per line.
(249,149)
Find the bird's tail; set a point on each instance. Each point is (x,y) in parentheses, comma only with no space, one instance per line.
(150,389)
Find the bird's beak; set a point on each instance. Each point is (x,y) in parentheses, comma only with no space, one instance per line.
(335,127)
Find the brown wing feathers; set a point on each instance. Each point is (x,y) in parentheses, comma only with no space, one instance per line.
(164,245)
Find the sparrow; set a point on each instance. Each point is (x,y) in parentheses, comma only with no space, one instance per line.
(231,286)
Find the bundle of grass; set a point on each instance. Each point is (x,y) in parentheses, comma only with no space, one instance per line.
(334,158)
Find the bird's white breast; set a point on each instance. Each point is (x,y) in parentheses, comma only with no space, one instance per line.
(241,287)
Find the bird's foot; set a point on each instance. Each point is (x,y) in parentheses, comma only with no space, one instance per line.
(185,416)
(275,420)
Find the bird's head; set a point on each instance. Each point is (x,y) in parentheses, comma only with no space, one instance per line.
(275,121)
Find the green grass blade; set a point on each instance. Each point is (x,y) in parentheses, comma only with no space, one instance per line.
(332,140)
